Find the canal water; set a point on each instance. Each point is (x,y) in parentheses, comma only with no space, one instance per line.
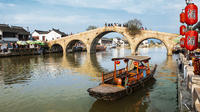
(57,83)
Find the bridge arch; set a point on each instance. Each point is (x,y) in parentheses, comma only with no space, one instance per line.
(163,37)
(138,44)
(56,48)
(99,35)
(75,42)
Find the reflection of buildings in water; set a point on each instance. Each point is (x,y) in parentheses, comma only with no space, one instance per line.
(122,53)
(118,52)
(162,47)
(115,52)
(158,55)
(50,65)
(170,64)
(1,79)
(75,59)
(100,56)
(138,101)
(143,50)
(167,66)
(15,70)
(154,49)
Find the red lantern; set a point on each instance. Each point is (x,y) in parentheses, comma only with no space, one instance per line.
(117,62)
(182,17)
(191,14)
(182,30)
(191,40)
(182,42)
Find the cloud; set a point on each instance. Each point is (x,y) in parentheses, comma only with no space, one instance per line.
(37,18)
(81,13)
(130,6)
(6,5)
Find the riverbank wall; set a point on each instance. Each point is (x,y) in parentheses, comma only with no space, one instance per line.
(21,52)
(188,86)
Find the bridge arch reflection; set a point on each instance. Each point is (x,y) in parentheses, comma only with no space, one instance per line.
(83,64)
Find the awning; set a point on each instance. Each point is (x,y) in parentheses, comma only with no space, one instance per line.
(10,39)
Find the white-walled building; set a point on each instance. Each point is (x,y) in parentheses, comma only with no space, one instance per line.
(120,42)
(39,35)
(47,35)
(105,41)
(145,43)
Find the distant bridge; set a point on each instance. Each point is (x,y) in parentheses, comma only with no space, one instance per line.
(90,38)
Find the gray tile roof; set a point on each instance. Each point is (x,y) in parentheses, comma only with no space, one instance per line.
(59,32)
(14,29)
(46,32)
(42,32)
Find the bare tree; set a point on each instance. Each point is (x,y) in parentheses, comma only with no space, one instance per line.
(134,26)
(91,28)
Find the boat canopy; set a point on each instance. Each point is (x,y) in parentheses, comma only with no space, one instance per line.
(134,58)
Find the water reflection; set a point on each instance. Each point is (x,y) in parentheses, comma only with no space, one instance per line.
(14,70)
(169,70)
(83,63)
(21,69)
(58,83)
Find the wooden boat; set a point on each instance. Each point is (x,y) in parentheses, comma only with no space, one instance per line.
(124,82)
(100,48)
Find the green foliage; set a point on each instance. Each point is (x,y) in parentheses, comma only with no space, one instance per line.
(152,42)
(111,39)
(91,28)
(134,26)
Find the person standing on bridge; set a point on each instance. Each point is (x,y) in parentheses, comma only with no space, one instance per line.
(0,48)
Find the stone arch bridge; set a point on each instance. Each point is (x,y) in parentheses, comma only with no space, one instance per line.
(90,38)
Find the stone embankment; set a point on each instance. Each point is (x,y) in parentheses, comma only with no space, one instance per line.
(188,86)
(21,52)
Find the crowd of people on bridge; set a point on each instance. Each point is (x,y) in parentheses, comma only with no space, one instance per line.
(115,24)
(120,25)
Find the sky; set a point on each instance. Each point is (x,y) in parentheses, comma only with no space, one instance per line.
(76,15)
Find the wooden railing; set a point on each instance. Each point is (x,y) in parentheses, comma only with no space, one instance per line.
(109,75)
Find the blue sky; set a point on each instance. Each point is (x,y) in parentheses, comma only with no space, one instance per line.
(76,15)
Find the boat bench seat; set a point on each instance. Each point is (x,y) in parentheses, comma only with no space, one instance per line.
(132,74)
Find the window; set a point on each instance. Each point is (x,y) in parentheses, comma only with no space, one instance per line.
(43,38)
(36,37)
